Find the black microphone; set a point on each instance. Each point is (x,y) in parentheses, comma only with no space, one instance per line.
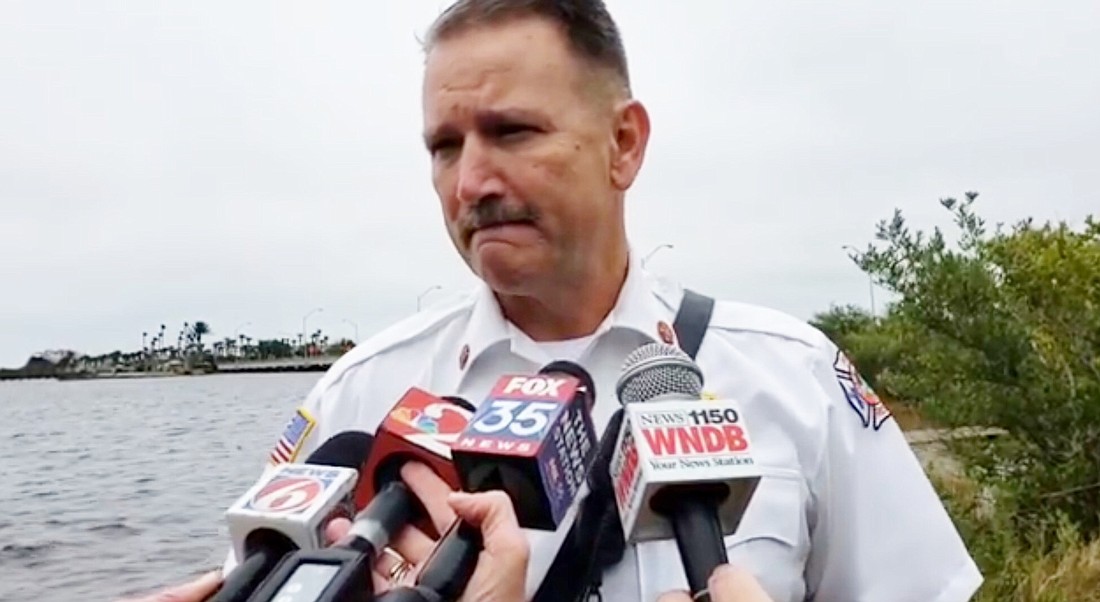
(288,508)
(532,438)
(342,573)
(681,464)
(419,427)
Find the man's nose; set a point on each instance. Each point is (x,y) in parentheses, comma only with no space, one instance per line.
(478,174)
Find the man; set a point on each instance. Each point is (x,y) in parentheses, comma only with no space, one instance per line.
(534,138)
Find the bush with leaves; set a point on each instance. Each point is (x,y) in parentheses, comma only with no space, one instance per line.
(1000,329)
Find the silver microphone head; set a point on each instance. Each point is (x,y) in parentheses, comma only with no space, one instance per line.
(658,371)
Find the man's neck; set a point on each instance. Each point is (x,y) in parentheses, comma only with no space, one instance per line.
(567,312)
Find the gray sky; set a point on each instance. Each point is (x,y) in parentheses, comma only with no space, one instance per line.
(236,162)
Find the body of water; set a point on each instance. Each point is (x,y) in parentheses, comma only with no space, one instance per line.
(113,487)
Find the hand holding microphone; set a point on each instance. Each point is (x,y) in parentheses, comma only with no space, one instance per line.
(531,439)
(683,467)
(726,584)
(499,574)
(501,570)
(403,485)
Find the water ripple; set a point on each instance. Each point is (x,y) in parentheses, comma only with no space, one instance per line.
(120,486)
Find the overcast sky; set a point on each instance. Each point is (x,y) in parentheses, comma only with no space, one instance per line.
(245,162)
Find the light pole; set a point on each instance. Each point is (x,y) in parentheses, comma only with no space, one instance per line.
(654,252)
(421,295)
(304,318)
(237,338)
(355,326)
(870,281)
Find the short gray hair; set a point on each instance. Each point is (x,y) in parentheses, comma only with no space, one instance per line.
(591,32)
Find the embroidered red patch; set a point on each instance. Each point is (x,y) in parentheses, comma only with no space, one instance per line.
(866,403)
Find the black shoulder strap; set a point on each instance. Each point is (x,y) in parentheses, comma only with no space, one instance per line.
(692,321)
(576,573)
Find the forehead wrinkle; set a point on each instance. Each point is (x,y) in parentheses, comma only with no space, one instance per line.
(480,101)
(474,72)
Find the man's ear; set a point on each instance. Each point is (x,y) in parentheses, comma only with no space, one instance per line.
(631,135)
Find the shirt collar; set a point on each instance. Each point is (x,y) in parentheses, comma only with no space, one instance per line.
(646,305)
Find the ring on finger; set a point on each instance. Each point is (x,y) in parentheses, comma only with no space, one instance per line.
(400,568)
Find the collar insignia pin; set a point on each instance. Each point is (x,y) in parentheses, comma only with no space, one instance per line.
(665,332)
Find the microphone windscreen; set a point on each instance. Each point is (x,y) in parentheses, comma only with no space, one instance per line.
(347,450)
(657,370)
(578,371)
(460,402)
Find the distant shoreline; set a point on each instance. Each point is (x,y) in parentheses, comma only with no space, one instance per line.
(298,364)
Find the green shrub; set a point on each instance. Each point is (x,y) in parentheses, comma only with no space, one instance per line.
(999,329)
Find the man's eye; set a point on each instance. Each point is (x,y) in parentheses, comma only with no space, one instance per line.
(512,129)
(444,146)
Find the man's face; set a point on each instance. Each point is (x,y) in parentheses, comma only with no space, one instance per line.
(523,151)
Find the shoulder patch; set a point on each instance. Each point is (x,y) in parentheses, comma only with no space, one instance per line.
(872,412)
(294,434)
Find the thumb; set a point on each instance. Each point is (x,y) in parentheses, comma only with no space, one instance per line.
(728,578)
(336,529)
(490,510)
(674,596)
(193,591)
(199,589)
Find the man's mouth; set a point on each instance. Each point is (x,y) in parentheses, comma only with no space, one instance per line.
(516,222)
(496,226)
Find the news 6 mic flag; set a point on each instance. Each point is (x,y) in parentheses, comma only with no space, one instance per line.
(676,442)
(301,496)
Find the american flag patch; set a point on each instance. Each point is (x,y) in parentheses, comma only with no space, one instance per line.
(286,449)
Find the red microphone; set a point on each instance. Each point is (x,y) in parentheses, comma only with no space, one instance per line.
(420,427)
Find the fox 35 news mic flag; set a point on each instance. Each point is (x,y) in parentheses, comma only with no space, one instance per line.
(532,437)
(683,468)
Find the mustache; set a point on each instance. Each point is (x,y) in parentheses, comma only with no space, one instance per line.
(495,211)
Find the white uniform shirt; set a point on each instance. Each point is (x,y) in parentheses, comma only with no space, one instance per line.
(844,512)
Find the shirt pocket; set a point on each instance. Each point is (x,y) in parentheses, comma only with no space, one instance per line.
(772,540)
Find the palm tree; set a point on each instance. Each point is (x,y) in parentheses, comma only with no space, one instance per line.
(200,329)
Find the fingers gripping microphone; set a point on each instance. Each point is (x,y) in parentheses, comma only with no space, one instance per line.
(533,438)
(341,573)
(683,467)
(287,510)
(420,427)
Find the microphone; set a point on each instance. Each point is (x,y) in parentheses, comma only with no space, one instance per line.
(288,508)
(683,467)
(533,438)
(419,427)
(342,573)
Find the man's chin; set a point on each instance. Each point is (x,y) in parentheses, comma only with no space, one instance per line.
(506,271)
